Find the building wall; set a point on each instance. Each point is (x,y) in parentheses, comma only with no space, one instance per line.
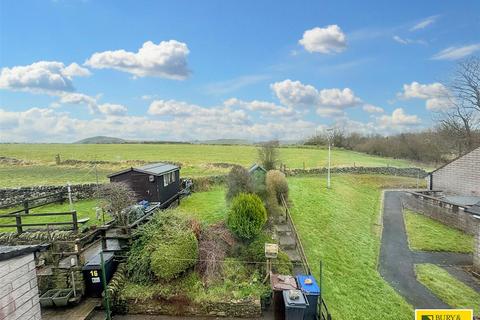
(461,176)
(18,289)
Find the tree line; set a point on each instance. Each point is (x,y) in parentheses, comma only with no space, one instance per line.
(456,127)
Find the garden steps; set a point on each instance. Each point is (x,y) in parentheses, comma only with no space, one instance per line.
(283,229)
(287,242)
(293,255)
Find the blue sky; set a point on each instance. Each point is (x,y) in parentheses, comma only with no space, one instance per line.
(182,70)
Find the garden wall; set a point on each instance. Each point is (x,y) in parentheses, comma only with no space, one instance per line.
(15,195)
(178,306)
(392,171)
(454,217)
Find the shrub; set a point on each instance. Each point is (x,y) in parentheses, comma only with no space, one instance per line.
(238,181)
(115,198)
(268,155)
(277,185)
(247,216)
(215,243)
(163,248)
(174,255)
(255,252)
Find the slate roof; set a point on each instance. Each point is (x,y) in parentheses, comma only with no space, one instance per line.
(475,209)
(9,252)
(156,169)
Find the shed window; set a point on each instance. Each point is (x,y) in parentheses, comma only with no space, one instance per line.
(168,178)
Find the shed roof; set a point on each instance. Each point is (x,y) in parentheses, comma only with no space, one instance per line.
(256,166)
(155,169)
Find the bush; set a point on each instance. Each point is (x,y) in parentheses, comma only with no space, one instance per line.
(215,243)
(163,248)
(277,185)
(174,255)
(268,155)
(255,252)
(238,180)
(247,216)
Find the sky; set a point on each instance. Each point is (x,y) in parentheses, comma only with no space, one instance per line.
(200,70)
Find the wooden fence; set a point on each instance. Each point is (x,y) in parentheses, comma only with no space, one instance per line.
(19,225)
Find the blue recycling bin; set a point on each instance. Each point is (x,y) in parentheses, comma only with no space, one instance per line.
(308,285)
(295,304)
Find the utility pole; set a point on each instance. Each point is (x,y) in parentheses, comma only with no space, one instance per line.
(329,155)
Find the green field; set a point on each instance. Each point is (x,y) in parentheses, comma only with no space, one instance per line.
(38,166)
(84,208)
(342,228)
(447,288)
(427,234)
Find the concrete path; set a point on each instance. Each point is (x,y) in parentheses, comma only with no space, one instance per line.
(397,260)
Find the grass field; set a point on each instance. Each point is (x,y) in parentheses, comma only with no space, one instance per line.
(341,227)
(447,288)
(84,208)
(427,234)
(39,166)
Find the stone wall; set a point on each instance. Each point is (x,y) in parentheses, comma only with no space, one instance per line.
(19,297)
(241,309)
(392,171)
(15,195)
(476,256)
(461,176)
(456,218)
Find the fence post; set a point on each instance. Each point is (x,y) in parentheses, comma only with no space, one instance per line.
(74,221)
(25,206)
(18,221)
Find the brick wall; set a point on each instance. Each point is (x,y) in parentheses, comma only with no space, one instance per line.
(461,176)
(18,289)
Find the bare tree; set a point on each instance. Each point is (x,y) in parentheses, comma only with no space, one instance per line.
(268,154)
(114,199)
(462,118)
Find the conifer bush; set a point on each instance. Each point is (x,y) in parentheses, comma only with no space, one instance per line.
(247,216)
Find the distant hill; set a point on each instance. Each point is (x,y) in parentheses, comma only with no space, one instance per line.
(101,140)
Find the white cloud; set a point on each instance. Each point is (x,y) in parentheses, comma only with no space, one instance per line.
(168,59)
(294,93)
(407,40)
(399,119)
(113,109)
(454,53)
(49,77)
(328,102)
(370,108)
(264,107)
(330,39)
(202,115)
(43,125)
(424,23)
(436,95)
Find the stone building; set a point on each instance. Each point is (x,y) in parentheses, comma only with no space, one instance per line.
(460,176)
(18,283)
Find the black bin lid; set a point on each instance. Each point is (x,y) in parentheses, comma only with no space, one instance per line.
(94,262)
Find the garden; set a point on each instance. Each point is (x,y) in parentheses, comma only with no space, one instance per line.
(207,256)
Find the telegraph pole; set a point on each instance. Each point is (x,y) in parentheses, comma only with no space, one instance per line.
(329,155)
